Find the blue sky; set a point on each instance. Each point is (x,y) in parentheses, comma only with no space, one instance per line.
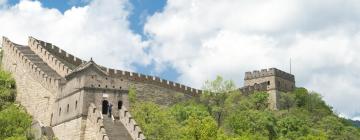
(191,41)
(139,11)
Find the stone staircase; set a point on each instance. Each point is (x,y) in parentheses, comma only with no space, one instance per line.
(27,52)
(115,130)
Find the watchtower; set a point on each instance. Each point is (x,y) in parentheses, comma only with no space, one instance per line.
(276,80)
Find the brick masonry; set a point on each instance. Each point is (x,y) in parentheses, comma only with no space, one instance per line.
(62,91)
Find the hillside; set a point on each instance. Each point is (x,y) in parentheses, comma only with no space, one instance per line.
(355,123)
(223,113)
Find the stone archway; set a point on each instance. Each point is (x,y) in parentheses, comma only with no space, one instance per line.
(120,104)
(105,106)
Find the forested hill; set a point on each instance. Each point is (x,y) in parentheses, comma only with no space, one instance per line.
(222,113)
(355,122)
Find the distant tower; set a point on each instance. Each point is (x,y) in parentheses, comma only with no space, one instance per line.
(276,80)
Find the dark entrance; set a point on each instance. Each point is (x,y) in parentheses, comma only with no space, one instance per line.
(120,103)
(105,107)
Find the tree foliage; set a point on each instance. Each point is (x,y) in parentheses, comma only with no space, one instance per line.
(223,113)
(14,121)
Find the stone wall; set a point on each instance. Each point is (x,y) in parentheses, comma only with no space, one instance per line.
(34,91)
(48,78)
(269,72)
(68,108)
(130,124)
(70,130)
(52,54)
(146,79)
(58,53)
(275,80)
(48,57)
(255,87)
(94,125)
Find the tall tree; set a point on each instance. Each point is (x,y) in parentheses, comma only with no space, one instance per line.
(214,96)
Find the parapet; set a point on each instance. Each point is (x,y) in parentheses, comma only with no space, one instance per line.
(71,60)
(137,77)
(49,81)
(257,87)
(269,72)
(95,117)
(54,62)
(130,124)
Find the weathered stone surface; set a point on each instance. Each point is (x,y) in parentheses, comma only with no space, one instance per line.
(70,95)
(272,81)
(57,89)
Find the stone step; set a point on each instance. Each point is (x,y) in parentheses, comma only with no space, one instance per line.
(38,61)
(115,129)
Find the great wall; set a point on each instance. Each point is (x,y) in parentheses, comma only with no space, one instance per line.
(70,97)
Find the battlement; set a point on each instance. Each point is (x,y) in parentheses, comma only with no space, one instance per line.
(70,60)
(48,80)
(137,77)
(269,72)
(130,124)
(256,87)
(95,118)
(47,57)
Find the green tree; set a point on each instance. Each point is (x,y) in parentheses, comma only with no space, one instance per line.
(332,127)
(156,122)
(287,101)
(214,96)
(197,128)
(252,122)
(7,89)
(183,111)
(132,94)
(292,127)
(14,122)
(223,113)
(259,100)
(300,96)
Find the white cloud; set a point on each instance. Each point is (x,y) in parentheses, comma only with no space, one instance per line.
(204,38)
(98,30)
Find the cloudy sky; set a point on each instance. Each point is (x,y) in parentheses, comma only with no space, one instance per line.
(191,41)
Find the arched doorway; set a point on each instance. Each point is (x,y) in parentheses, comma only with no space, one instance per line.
(105,107)
(120,103)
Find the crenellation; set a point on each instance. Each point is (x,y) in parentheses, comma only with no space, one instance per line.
(48,65)
(38,73)
(130,124)
(137,74)
(177,86)
(127,74)
(268,72)
(256,74)
(111,71)
(188,89)
(44,54)
(157,79)
(143,77)
(171,84)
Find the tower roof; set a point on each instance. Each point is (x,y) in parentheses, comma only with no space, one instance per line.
(85,66)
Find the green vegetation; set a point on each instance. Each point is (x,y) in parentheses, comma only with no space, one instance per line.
(223,113)
(14,121)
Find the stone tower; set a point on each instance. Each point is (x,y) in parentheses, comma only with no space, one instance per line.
(273,81)
(71,97)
